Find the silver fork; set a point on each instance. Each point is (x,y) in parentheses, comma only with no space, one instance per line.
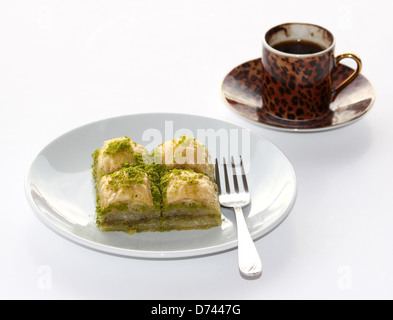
(250,264)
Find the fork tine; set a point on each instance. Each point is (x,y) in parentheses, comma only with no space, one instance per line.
(235,183)
(218,178)
(245,184)
(228,188)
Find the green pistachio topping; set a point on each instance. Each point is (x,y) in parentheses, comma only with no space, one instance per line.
(121,145)
(127,178)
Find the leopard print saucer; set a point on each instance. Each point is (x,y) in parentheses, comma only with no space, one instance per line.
(241,90)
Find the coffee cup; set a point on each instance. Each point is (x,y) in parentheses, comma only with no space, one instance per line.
(298,63)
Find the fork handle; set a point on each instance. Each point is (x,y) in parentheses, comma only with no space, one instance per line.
(250,264)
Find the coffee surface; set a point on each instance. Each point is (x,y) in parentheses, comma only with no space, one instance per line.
(298,47)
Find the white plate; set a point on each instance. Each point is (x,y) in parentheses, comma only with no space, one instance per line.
(59,185)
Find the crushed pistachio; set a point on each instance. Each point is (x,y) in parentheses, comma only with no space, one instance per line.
(121,145)
(127,178)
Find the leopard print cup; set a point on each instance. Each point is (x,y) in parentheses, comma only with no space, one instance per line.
(299,86)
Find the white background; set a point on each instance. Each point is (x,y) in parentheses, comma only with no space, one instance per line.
(67,63)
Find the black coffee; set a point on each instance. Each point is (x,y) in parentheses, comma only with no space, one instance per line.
(298,47)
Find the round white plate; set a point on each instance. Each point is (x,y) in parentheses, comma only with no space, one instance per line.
(60,188)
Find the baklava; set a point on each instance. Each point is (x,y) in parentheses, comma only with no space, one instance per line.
(128,199)
(160,195)
(184,153)
(114,152)
(189,200)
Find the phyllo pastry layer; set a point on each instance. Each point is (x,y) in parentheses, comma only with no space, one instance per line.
(114,152)
(127,198)
(184,153)
(190,200)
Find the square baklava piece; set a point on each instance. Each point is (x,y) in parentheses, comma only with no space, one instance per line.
(128,200)
(115,152)
(184,153)
(190,201)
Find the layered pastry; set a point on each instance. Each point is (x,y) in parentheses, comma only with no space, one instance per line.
(184,153)
(189,200)
(128,199)
(114,152)
(135,196)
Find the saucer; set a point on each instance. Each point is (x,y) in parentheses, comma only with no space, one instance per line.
(242,91)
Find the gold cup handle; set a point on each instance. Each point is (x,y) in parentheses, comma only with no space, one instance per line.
(353,75)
